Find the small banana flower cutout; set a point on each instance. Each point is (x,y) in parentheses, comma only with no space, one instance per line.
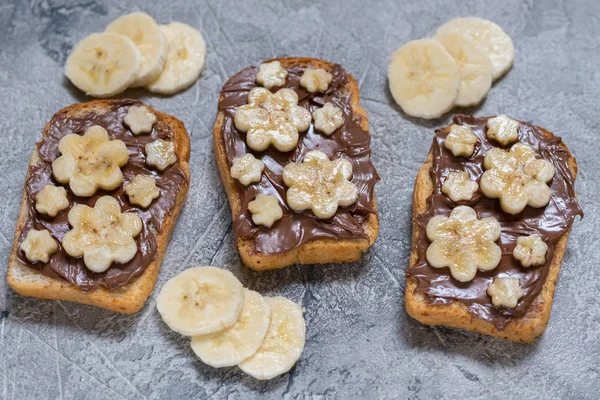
(328,118)
(505,292)
(160,154)
(142,190)
(271,75)
(265,210)
(90,162)
(247,169)
(51,200)
(272,119)
(39,245)
(458,186)
(319,184)
(503,129)
(530,250)
(517,178)
(463,243)
(140,119)
(461,140)
(102,234)
(315,80)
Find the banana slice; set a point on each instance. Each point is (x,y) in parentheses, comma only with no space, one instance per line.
(424,78)
(489,36)
(103,64)
(149,40)
(200,301)
(474,65)
(242,340)
(283,343)
(185,60)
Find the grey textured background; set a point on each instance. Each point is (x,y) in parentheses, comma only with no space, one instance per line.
(361,343)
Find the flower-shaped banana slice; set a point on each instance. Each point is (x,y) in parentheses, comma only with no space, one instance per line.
(463,243)
(140,119)
(505,292)
(328,118)
(247,169)
(530,250)
(503,129)
(142,190)
(319,184)
(271,75)
(51,200)
(315,80)
(265,210)
(458,186)
(39,245)
(517,178)
(102,234)
(461,140)
(272,119)
(160,154)
(90,162)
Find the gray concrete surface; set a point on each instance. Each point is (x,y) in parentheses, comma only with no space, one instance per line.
(361,343)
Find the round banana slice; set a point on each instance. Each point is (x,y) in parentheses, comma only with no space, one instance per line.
(283,343)
(424,78)
(200,301)
(242,340)
(489,36)
(474,66)
(185,60)
(149,40)
(103,64)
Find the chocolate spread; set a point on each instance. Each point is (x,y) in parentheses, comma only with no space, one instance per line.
(551,222)
(169,182)
(350,141)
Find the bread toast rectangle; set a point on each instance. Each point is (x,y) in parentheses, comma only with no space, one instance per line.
(454,313)
(318,251)
(28,281)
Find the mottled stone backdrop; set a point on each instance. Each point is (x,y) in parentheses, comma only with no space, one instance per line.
(360,342)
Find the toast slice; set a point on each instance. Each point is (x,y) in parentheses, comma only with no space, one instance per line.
(522,329)
(129,298)
(319,251)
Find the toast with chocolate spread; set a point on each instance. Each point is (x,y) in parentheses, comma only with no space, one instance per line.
(103,192)
(293,150)
(486,256)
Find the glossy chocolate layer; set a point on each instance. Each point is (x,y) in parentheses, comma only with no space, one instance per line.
(169,182)
(551,222)
(349,141)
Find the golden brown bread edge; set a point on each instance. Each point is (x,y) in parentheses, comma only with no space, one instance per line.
(524,329)
(319,251)
(131,297)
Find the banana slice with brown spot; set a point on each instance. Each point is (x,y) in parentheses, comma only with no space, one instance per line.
(185,59)
(240,341)
(103,64)
(283,344)
(200,301)
(424,78)
(148,39)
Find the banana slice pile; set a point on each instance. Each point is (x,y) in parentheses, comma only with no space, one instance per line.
(428,77)
(231,325)
(134,51)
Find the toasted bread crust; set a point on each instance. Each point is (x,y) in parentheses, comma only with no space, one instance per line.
(319,251)
(131,297)
(524,329)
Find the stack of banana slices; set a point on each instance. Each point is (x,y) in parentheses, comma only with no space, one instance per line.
(428,77)
(134,51)
(231,325)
